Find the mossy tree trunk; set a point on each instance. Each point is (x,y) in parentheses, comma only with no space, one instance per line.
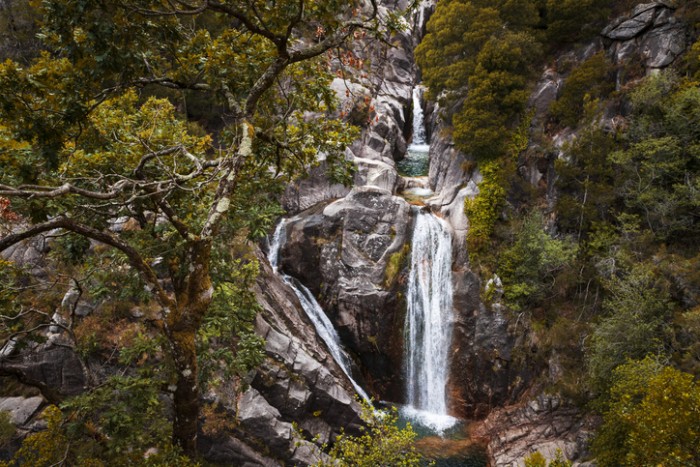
(193,297)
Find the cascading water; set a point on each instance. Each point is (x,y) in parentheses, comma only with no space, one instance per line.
(415,164)
(428,329)
(313,310)
(419,142)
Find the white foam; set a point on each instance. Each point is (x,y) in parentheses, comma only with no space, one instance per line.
(438,423)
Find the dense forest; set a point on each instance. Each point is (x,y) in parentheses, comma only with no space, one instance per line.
(147,149)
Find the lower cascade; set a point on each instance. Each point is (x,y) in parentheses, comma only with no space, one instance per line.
(313,310)
(428,328)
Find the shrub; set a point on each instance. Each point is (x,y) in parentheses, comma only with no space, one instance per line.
(382,444)
(529,266)
(652,417)
(590,80)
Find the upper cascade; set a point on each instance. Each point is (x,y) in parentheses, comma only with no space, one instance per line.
(415,164)
(419,142)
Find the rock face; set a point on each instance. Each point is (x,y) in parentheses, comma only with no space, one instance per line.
(650,33)
(486,371)
(299,382)
(381,104)
(341,253)
(55,370)
(545,424)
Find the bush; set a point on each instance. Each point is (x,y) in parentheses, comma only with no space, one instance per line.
(529,266)
(634,327)
(652,417)
(497,95)
(382,444)
(589,81)
(7,429)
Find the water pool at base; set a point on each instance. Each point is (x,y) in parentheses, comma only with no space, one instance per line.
(452,448)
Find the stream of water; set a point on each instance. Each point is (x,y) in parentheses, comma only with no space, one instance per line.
(415,164)
(323,325)
(428,328)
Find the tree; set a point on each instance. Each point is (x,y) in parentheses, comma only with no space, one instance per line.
(529,267)
(382,444)
(659,166)
(497,95)
(587,82)
(456,32)
(89,133)
(635,326)
(571,20)
(652,417)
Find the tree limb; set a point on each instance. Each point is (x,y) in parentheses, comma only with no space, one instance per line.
(134,257)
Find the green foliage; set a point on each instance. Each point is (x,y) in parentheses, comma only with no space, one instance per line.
(226,341)
(536,459)
(571,20)
(587,82)
(660,165)
(484,210)
(634,326)
(652,417)
(456,33)
(7,429)
(109,414)
(70,442)
(497,95)
(45,448)
(586,182)
(383,444)
(397,261)
(529,267)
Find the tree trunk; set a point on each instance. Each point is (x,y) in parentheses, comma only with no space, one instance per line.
(186,397)
(193,295)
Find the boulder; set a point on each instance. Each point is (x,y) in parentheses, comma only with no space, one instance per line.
(56,370)
(642,18)
(258,418)
(21,409)
(662,45)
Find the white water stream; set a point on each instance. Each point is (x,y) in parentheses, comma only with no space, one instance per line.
(313,310)
(415,164)
(428,330)
(418,143)
(428,327)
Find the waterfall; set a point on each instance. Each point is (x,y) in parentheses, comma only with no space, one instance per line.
(415,164)
(324,327)
(418,143)
(428,328)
